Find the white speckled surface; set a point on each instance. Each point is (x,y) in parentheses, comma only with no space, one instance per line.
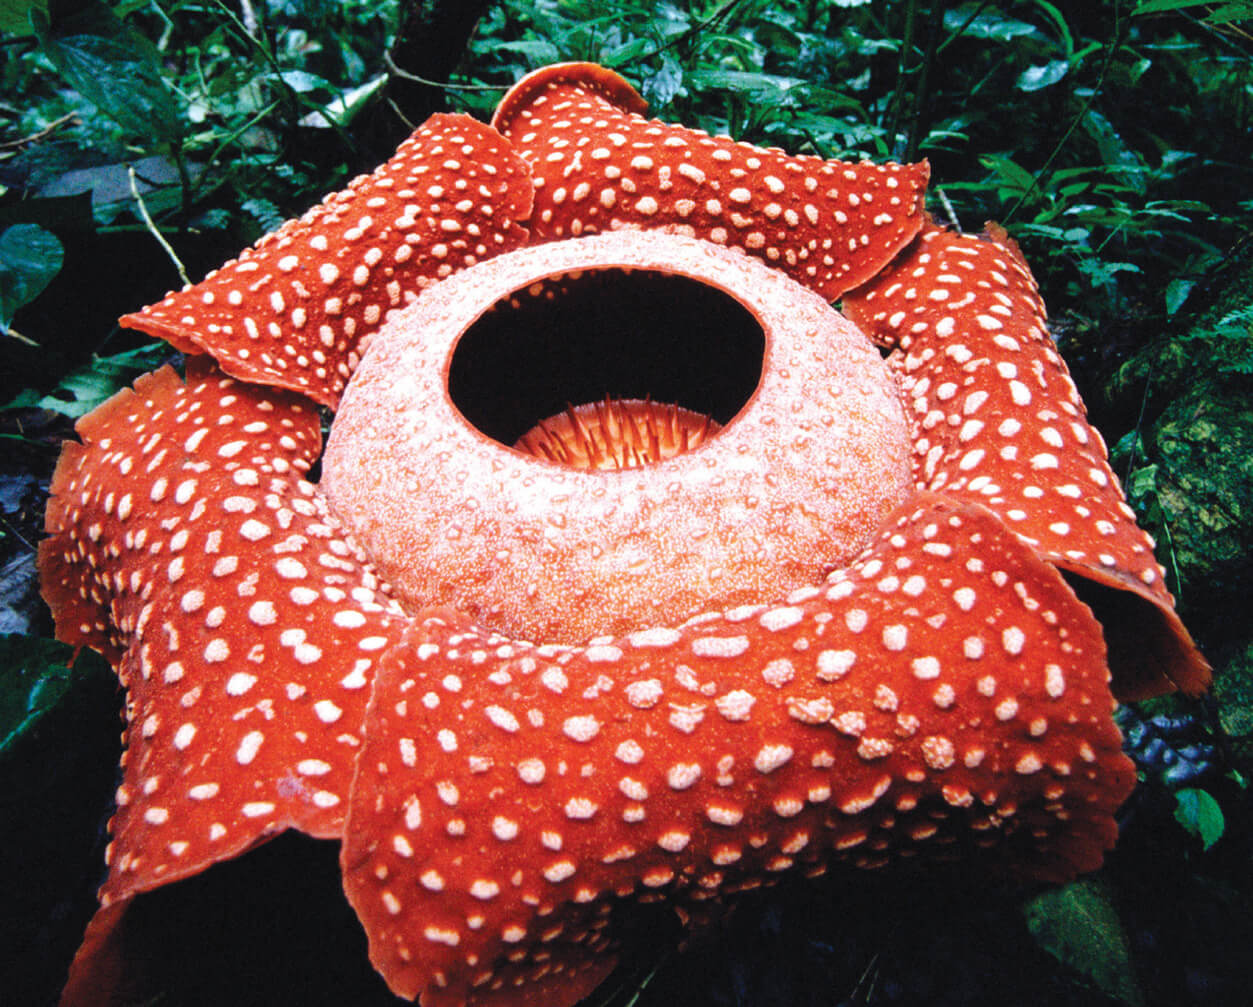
(794,485)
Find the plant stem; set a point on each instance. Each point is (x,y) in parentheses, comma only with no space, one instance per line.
(907,44)
(1111,51)
(920,126)
(152,227)
(429,44)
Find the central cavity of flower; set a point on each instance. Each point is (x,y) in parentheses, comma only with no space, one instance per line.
(606,368)
(598,436)
(625,337)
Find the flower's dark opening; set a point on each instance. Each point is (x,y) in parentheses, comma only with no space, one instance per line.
(606,334)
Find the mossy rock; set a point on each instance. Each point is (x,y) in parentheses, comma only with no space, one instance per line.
(1193,479)
(1233,688)
(1188,350)
(1159,371)
(1203,448)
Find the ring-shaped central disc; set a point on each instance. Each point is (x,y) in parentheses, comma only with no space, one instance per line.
(792,485)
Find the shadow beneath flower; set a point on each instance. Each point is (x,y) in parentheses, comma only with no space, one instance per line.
(267,928)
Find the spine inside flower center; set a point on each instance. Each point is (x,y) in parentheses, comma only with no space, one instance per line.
(616,434)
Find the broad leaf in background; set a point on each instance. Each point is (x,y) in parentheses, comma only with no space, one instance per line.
(1036,78)
(80,391)
(35,675)
(1200,814)
(763,89)
(1177,291)
(15,15)
(990,24)
(1011,180)
(1079,926)
(1215,14)
(29,259)
(118,75)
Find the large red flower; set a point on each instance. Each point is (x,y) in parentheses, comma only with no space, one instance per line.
(640,655)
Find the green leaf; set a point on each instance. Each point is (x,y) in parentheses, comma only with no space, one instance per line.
(760,88)
(1177,291)
(1230,340)
(265,213)
(35,675)
(538,51)
(121,79)
(1099,272)
(627,54)
(1012,179)
(29,259)
(1036,78)
(80,391)
(1063,29)
(342,110)
(1115,153)
(988,25)
(1200,814)
(1143,481)
(15,15)
(1158,6)
(1079,926)
(1239,10)
(1226,13)
(302,81)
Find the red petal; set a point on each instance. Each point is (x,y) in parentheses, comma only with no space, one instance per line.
(949,684)
(997,420)
(242,622)
(298,308)
(101,974)
(600,165)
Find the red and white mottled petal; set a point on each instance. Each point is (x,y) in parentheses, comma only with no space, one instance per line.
(243,623)
(997,420)
(947,684)
(600,165)
(298,309)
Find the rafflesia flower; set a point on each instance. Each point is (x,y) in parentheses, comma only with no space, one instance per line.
(634,570)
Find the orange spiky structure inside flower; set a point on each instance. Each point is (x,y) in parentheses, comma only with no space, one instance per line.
(617,434)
